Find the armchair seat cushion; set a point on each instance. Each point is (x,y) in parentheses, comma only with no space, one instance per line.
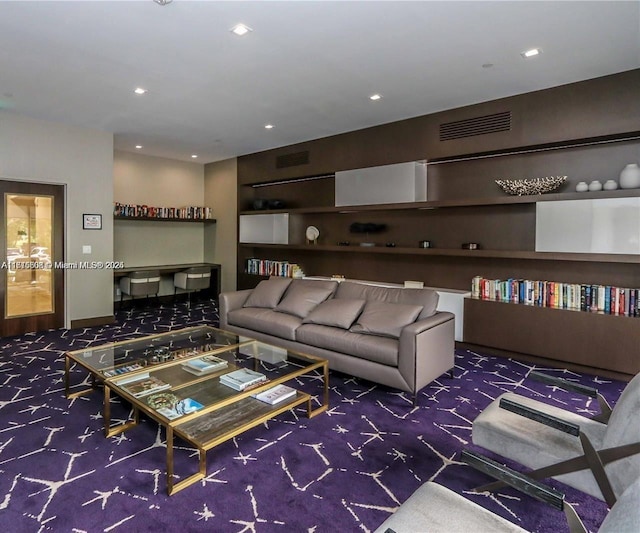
(435,508)
(379,349)
(265,320)
(533,444)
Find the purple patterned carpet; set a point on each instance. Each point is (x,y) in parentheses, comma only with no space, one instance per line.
(345,470)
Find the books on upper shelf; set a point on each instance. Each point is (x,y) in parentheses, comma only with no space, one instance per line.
(142,384)
(242,378)
(204,365)
(182,407)
(276,394)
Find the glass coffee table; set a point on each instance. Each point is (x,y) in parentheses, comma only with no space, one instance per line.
(175,379)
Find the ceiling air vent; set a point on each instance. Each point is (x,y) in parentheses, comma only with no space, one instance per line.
(292,160)
(475,126)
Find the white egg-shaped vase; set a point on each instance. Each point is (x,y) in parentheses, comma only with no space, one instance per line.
(630,177)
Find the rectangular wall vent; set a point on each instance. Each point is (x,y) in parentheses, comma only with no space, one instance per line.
(292,160)
(475,126)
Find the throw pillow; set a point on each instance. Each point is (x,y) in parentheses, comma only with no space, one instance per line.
(267,293)
(385,319)
(337,313)
(303,296)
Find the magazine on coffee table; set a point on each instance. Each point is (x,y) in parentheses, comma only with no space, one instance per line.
(276,394)
(204,365)
(142,385)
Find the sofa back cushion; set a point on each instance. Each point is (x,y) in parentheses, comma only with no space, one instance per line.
(385,319)
(426,298)
(340,313)
(267,293)
(303,295)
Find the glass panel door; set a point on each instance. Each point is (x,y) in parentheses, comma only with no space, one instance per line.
(29,239)
(31,246)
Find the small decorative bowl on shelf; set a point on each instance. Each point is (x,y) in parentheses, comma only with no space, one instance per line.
(531,186)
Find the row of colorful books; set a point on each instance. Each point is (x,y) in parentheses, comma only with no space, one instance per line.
(188,213)
(267,267)
(580,297)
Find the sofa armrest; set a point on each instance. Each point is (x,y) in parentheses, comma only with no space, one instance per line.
(426,323)
(426,350)
(230,301)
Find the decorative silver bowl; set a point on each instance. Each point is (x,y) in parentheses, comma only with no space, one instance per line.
(531,186)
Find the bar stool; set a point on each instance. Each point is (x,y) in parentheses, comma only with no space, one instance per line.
(192,279)
(140,283)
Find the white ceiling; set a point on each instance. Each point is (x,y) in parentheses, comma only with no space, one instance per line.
(308,67)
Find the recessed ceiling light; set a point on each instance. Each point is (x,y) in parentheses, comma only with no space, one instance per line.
(194,156)
(241,29)
(139,90)
(375,96)
(138,147)
(268,126)
(531,53)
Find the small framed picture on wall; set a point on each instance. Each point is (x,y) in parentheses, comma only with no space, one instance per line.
(91,221)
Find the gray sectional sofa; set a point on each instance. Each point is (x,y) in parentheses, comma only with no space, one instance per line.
(392,336)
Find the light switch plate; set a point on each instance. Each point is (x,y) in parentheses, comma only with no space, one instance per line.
(86,248)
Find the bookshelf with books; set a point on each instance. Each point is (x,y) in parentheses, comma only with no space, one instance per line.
(173,214)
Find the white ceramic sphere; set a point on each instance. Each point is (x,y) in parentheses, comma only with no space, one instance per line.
(582,187)
(595,185)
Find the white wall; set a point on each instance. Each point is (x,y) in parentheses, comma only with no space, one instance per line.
(221,193)
(81,159)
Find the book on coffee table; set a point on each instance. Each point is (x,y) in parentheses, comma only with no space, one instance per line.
(142,384)
(182,407)
(204,365)
(276,394)
(242,378)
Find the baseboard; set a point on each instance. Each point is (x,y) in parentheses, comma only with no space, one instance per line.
(611,374)
(91,322)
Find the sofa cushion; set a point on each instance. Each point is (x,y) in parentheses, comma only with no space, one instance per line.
(304,295)
(427,298)
(265,320)
(338,313)
(267,293)
(378,349)
(385,319)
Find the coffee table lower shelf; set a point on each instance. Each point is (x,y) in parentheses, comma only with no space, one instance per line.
(209,430)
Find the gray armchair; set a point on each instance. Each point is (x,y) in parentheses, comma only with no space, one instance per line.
(436,509)
(140,283)
(192,279)
(599,455)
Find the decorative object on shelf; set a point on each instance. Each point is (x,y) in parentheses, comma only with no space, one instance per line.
(259,204)
(276,204)
(583,186)
(630,177)
(470,246)
(312,234)
(367,227)
(531,186)
(424,244)
(595,185)
(610,185)
(390,245)
(344,243)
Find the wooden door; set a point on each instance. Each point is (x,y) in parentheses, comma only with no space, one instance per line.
(32,252)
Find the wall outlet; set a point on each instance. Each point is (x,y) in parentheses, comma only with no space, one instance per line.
(86,248)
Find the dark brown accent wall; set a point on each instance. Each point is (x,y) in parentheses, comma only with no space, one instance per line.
(586,130)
